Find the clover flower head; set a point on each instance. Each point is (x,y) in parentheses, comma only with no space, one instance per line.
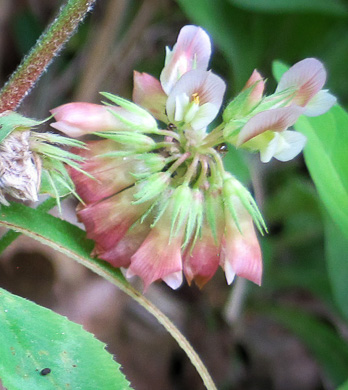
(158,200)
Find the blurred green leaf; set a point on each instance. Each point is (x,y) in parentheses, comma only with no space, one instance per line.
(337,264)
(278,69)
(332,7)
(33,338)
(234,161)
(344,386)
(329,349)
(327,160)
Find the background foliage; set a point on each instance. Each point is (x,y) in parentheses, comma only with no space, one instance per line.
(291,333)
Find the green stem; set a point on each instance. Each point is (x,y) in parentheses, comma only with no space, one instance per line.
(48,45)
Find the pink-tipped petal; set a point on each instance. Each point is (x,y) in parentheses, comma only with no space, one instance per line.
(277,119)
(108,221)
(103,170)
(148,93)
(201,263)
(320,103)
(120,254)
(159,256)
(191,51)
(78,119)
(241,251)
(306,77)
(200,86)
(257,83)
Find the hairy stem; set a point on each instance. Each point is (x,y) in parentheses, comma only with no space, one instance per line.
(40,56)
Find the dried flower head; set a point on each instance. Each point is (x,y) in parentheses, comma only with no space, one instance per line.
(33,162)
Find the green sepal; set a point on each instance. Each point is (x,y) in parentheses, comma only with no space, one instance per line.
(214,209)
(10,121)
(239,107)
(140,141)
(231,188)
(181,203)
(152,187)
(194,219)
(152,163)
(52,169)
(135,109)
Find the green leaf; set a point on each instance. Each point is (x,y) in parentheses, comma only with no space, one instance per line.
(33,338)
(327,160)
(71,240)
(329,349)
(337,264)
(332,7)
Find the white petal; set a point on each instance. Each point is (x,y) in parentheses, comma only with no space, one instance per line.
(173,280)
(320,103)
(204,116)
(191,112)
(293,143)
(267,153)
(229,272)
(181,102)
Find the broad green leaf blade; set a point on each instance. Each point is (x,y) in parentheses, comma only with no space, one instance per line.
(332,7)
(33,338)
(71,240)
(326,155)
(328,348)
(336,246)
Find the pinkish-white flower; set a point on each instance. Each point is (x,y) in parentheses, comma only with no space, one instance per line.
(202,261)
(159,256)
(148,93)
(78,119)
(304,82)
(257,84)
(103,170)
(241,253)
(108,221)
(268,133)
(191,51)
(196,99)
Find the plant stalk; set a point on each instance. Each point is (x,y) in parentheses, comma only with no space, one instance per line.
(40,56)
